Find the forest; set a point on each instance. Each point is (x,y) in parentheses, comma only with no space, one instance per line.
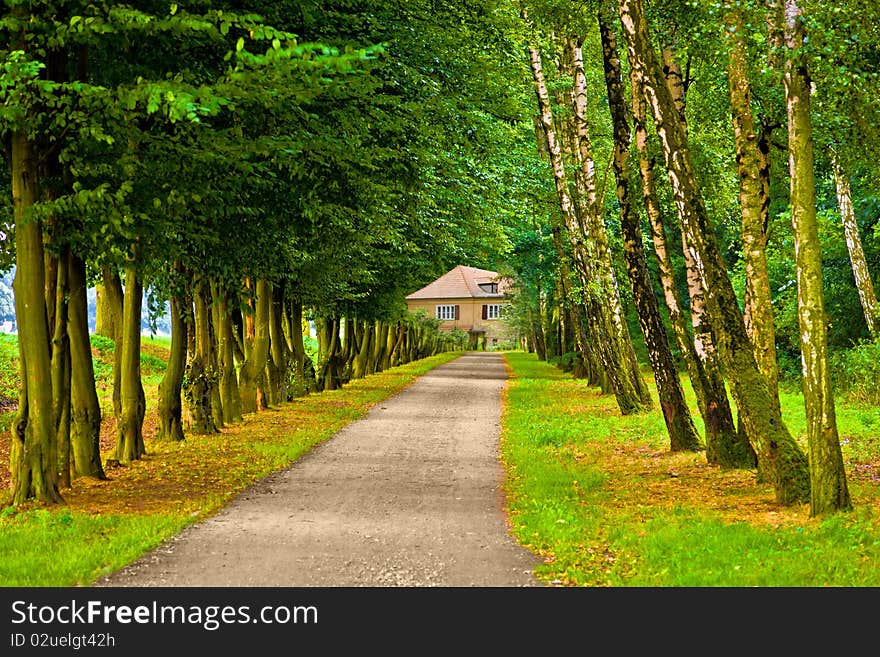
(680,190)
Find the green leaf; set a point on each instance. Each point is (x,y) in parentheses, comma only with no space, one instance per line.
(239,46)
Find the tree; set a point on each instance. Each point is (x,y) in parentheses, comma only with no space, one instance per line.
(778,453)
(754,192)
(828,487)
(858,261)
(676,414)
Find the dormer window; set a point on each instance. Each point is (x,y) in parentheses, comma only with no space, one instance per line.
(489,288)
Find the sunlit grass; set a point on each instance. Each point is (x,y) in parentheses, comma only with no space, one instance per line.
(602,499)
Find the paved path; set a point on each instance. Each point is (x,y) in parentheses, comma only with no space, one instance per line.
(410,495)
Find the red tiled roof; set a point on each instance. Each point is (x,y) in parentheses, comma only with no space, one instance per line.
(462,282)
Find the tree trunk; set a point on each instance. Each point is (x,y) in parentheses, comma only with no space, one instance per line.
(536,330)
(230,401)
(571,316)
(200,374)
(213,362)
(675,81)
(302,384)
(610,306)
(365,348)
(779,454)
(711,401)
(170,403)
(351,340)
(379,348)
(34,458)
(828,487)
(61,367)
(396,357)
(857,259)
(108,311)
(279,350)
(754,196)
(676,414)
(129,419)
(258,352)
(726,446)
(328,348)
(628,399)
(85,430)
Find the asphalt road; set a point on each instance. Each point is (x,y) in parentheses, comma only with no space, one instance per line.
(408,496)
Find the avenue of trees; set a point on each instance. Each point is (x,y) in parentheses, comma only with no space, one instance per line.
(258,165)
(688,180)
(705,154)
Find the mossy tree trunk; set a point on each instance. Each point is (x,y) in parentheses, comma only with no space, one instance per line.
(364,348)
(828,487)
(577,315)
(396,357)
(780,456)
(61,367)
(34,458)
(108,309)
(390,341)
(350,347)
(217,413)
(256,352)
(724,445)
(569,316)
(278,370)
(85,429)
(127,364)
(676,414)
(536,331)
(201,376)
(328,344)
(754,196)
(380,343)
(170,402)
(230,400)
(303,376)
(716,413)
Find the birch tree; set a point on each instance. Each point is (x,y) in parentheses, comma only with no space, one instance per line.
(828,487)
(676,414)
(778,452)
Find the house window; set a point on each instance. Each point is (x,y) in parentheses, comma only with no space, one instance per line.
(491,288)
(446,312)
(493,311)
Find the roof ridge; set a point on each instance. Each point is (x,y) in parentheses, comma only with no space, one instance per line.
(458,282)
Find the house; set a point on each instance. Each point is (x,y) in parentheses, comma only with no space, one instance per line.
(469,299)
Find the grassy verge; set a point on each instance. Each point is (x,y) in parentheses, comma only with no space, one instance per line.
(604,502)
(107,524)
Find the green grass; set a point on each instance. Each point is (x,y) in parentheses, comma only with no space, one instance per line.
(9,375)
(574,502)
(685,548)
(57,548)
(161,341)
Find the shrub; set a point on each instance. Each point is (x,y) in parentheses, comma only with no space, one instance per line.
(855,373)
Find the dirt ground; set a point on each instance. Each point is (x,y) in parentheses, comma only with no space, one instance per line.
(410,495)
